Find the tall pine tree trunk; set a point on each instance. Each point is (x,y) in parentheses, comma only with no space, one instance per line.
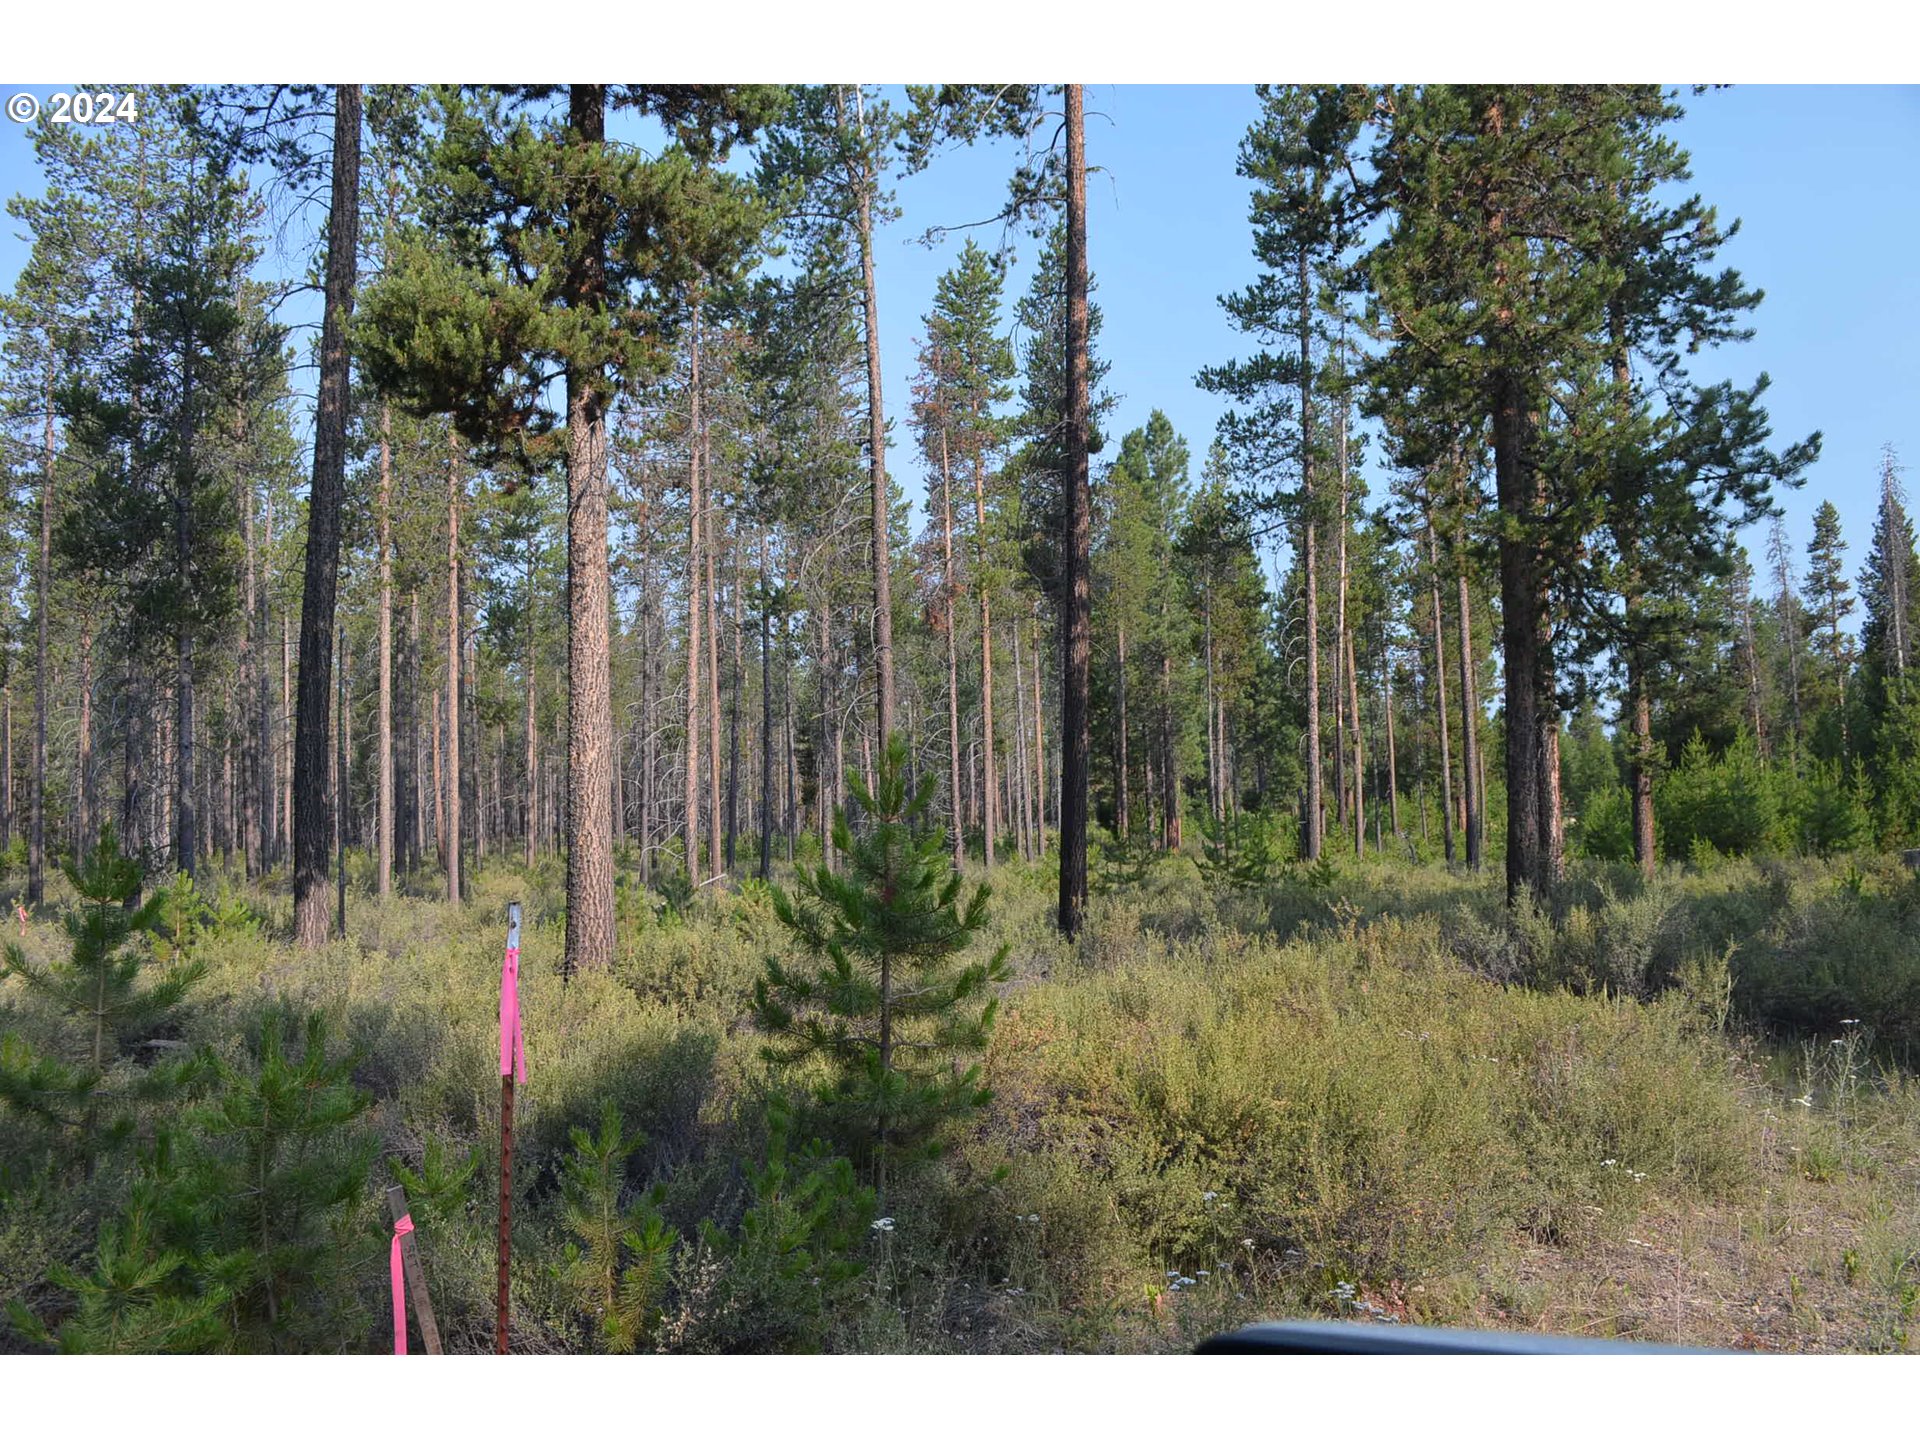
(766,716)
(89,822)
(1076,593)
(990,812)
(733,717)
(715,856)
(530,804)
(1359,748)
(1440,691)
(1524,641)
(255,803)
(284,745)
(695,506)
(1039,742)
(383,724)
(1640,755)
(1206,649)
(876,444)
(1393,766)
(37,833)
(453,831)
(1018,781)
(590,914)
(312,827)
(959,835)
(1315,826)
(1121,796)
(1472,787)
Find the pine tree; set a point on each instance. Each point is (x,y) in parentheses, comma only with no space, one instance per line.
(1524,251)
(1829,599)
(110,993)
(232,1237)
(157,511)
(616,1256)
(1890,598)
(1146,498)
(543,233)
(889,1004)
(1296,154)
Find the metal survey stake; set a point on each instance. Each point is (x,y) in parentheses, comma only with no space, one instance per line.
(513,1064)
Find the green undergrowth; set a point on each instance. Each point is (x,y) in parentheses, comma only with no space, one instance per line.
(1357,1089)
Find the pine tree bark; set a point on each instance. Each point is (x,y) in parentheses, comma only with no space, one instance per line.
(1440,690)
(89,821)
(1640,764)
(383,737)
(1213,752)
(1122,818)
(590,912)
(716,859)
(530,804)
(453,830)
(1075,719)
(1039,743)
(1359,749)
(958,835)
(1525,644)
(284,745)
(1170,836)
(1393,767)
(864,184)
(1020,792)
(255,802)
(1472,786)
(1315,826)
(650,650)
(766,716)
(37,831)
(312,830)
(990,813)
(733,715)
(695,506)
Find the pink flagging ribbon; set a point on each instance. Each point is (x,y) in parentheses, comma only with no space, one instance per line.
(513,1048)
(402,1226)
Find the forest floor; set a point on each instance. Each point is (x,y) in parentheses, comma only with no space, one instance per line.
(1370,1095)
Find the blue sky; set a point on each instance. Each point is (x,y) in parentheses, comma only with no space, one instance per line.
(1826,181)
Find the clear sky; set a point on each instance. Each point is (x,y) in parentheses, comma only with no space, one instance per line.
(1826,181)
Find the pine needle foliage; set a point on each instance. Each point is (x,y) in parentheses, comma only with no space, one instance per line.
(792,1267)
(887,1003)
(1240,852)
(106,990)
(616,1261)
(239,1234)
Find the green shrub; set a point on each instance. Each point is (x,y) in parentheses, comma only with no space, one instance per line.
(1728,801)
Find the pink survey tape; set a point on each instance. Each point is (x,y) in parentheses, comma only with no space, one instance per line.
(402,1226)
(513,1049)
